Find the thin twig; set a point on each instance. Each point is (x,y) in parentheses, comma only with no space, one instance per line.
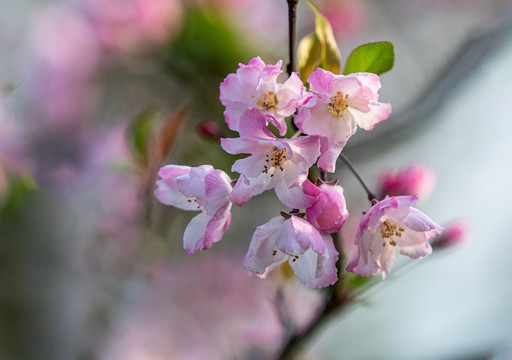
(292,16)
(371,195)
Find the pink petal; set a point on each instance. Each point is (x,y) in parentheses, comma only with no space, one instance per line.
(263,244)
(194,233)
(320,81)
(294,197)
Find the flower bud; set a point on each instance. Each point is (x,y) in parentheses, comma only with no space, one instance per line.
(455,233)
(210,130)
(416,179)
(329,212)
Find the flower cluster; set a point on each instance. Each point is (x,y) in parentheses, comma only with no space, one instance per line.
(258,108)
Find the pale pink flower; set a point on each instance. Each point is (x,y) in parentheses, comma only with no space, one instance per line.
(416,179)
(282,164)
(203,189)
(311,255)
(391,225)
(329,211)
(342,103)
(254,86)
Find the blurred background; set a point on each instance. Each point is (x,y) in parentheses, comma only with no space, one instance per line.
(96,95)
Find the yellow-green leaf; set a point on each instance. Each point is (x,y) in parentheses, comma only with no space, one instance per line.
(330,58)
(377,58)
(309,53)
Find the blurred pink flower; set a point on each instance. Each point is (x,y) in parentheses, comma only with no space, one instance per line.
(66,55)
(391,225)
(204,308)
(63,40)
(134,25)
(455,233)
(416,179)
(348,18)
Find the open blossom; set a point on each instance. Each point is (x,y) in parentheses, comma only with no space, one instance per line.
(416,179)
(203,189)
(342,103)
(254,86)
(329,211)
(311,255)
(392,225)
(282,164)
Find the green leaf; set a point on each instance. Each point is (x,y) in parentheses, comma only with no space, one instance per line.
(330,57)
(140,135)
(309,54)
(377,58)
(16,195)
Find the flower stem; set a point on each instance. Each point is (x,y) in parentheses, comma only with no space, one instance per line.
(292,16)
(371,195)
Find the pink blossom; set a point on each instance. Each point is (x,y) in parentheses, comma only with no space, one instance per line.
(341,104)
(254,86)
(311,255)
(329,212)
(282,164)
(392,224)
(201,189)
(416,179)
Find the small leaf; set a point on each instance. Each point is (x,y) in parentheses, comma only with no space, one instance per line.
(330,58)
(170,130)
(377,58)
(16,195)
(140,135)
(309,53)
(166,137)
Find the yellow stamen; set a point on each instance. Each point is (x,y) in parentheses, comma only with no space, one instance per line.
(268,101)
(338,104)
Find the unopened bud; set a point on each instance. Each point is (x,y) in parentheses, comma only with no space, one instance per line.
(210,130)
(454,233)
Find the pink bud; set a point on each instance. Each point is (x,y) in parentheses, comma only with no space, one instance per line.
(416,179)
(211,130)
(454,233)
(329,212)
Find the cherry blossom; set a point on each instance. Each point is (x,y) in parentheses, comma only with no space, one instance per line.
(391,225)
(254,86)
(329,211)
(341,104)
(282,164)
(203,189)
(311,255)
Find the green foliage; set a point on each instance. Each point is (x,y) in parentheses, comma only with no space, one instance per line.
(140,135)
(309,54)
(206,48)
(377,58)
(319,49)
(17,193)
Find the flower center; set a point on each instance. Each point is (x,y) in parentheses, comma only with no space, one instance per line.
(268,101)
(338,104)
(275,160)
(388,230)
(194,200)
